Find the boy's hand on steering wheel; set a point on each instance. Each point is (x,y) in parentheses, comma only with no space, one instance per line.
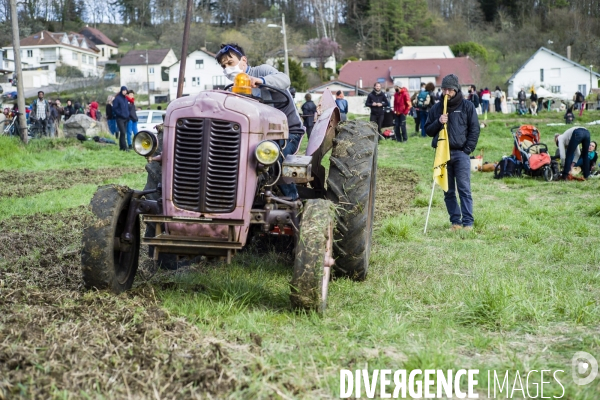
(255,82)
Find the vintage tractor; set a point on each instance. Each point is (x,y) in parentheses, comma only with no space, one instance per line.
(213,176)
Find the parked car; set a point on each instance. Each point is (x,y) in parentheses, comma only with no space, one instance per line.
(9,95)
(110,76)
(148,119)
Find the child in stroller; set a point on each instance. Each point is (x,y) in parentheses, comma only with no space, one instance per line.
(531,153)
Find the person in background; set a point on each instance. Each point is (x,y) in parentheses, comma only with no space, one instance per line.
(342,104)
(463,134)
(68,110)
(40,112)
(474,98)
(376,101)
(132,128)
(568,146)
(438,95)
(110,118)
(498,99)
(121,112)
(4,121)
(522,96)
(533,98)
(93,114)
(401,107)
(309,109)
(522,108)
(53,120)
(415,113)
(569,116)
(485,100)
(424,103)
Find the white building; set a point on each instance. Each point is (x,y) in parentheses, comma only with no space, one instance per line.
(302,55)
(106,47)
(553,72)
(202,72)
(141,69)
(48,50)
(421,52)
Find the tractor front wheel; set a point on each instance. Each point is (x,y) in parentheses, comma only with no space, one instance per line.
(107,260)
(314,256)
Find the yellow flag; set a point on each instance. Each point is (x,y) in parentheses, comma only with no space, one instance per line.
(442,155)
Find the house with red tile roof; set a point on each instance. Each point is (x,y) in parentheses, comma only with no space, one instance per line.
(409,73)
(106,47)
(48,50)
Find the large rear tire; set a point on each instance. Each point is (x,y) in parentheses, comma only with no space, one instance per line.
(314,256)
(107,261)
(351,186)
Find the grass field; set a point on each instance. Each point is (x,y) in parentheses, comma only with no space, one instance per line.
(519,293)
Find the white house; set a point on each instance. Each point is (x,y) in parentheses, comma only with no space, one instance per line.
(302,55)
(421,52)
(141,69)
(202,72)
(50,49)
(553,72)
(106,47)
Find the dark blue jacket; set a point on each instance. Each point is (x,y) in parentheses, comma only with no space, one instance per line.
(120,107)
(463,126)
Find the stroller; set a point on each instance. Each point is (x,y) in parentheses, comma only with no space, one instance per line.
(531,155)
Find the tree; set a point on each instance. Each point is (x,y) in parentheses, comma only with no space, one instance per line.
(472,49)
(297,76)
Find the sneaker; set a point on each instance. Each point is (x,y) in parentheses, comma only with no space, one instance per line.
(468,228)
(455,228)
(130,148)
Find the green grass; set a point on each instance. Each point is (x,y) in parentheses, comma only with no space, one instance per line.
(521,292)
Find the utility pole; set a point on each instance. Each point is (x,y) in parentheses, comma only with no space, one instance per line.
(590,91)
(148,79)
(184,47)
(18,70)
(286,66)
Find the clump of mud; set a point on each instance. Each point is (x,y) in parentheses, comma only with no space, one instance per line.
(57,339)
(21,184)
(395,191)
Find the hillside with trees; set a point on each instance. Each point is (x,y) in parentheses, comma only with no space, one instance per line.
(499,34)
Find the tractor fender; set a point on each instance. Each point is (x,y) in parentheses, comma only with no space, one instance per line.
(323,131)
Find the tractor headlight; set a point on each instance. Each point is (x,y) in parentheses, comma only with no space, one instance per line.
(145,144)
(267,152)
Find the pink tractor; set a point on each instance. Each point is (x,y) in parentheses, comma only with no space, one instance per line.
(214,172)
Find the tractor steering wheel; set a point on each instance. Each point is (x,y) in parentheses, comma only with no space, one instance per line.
(285,103)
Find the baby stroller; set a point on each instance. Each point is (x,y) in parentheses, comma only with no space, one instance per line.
(532,155)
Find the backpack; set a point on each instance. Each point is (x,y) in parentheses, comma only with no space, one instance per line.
(506,168)
(423,99)
(475,99)
(98,115)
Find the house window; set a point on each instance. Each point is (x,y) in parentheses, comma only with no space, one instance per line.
(196,81)
(74,56)
(174,82)
(582,89)
(132,70)
(414,83)
(555,89)
(84,59)
(306,64)
(199,64)
(219,80)
(541,74)
(102,52)
(151,70)
(30,53)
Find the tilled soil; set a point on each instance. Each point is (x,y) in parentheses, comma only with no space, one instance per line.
(21,184)
(59,340)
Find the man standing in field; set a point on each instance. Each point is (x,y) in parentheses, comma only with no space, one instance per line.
(463,133)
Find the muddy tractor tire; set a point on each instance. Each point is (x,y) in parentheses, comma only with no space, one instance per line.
(314,256)
(351,186)
(107,261)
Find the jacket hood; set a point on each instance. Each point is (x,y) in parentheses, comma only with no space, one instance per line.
(123,88)
(94,105)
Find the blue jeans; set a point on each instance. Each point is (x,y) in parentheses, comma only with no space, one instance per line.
(112,126)
(579,136)
(485,106)
(132,130)
(423,116)
(400,128)
(289,189)
(459,178)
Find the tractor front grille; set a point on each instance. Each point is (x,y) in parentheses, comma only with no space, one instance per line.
(206,163)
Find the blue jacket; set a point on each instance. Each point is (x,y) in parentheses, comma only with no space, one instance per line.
(120,107)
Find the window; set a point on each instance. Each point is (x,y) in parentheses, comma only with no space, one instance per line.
(199,64)
(157,118)
(132,70)
(102,52)
(196,81)
(541,74)
(555,89)
(306,64)
(151,70)
(74,56)
(142,116)
(414,83)
(30,53)
(84,59)
(219,80)
(174,82)
(582,89)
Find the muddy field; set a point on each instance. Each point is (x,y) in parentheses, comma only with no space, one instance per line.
(21,184)
(59,340)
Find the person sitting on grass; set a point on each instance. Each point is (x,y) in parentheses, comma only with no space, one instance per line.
(569,116)
(522,108)
(592,155)
(233,60)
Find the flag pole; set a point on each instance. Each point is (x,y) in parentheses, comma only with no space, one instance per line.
(429,209)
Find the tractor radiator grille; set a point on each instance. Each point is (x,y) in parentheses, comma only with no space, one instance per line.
(206,162)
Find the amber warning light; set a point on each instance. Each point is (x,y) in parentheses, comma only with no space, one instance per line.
(242,84)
